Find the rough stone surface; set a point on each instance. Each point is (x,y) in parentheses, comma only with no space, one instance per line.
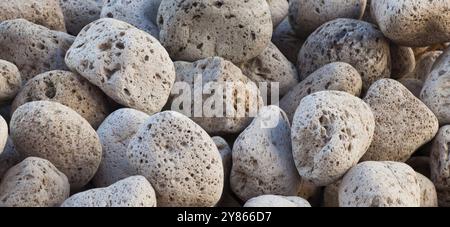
(79,13)
(403,61)
(47,13)
(413,85)
(428,194)
(277,201)
(306,16)
(128,64)
(34,182)
(279,9)
(69,89)
(338,76)
(57,133)
(380,184)
(3,133)
(355,42)
(8,158)
(133,191)
(140,13)
(414,23)
(115,134)
(34,49)
(403,122)
(331,131)
(440,165)
(287,41)
(196,29)
(179,159)
(262,157)
(10,81)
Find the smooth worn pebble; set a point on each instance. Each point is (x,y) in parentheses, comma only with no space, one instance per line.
(69,89)
(47,13)
(79,13)
(331,131)
(380,184)
(403,61)
(306,16)
(140,13)
(57,133)
(262,157)
(179,159)
(277,201)
(428,194)
(34,49)
(355,42)
(128,64)
(425,65)
(279,9)
(115,134)
(403,122)
(337,76)
(10,81)
(34,182)
(196,29)
(8,158)
(3,134)
(133,191)
(413,23)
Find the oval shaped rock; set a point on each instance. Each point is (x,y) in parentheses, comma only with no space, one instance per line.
(380,184)
(128,64)
(235,30)
(338,76)
(133,191)
(355,42)
(47,13)
(228,100)
(10,81)
(115,134)
(8,158)
(78,14)
(306,16)
(140,13)
(3,133)
(413,23)
(277,201)
(34,49)
(403,122)
(179,159)
(34,182)
(440,165)
(331,131)
(59,134)
(425,65)
(262,157)
(69,89)
(403,61)
(272,67)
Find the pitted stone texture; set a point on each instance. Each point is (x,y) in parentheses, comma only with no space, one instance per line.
(306,16)
(179,159)
(403,122)
(277,201)
(69,89)
(34,182)
(428,194)
(380,184)
(8,158)
(59,134)
(413,23)
(196,29)
(238,106)
(133,191)
(140,13)
(271,66)
(338,76)
(287,41)
(355,42)
(331,131)
(79,13)
(115,134)
(262,157)
(440,165)
(128,64)
(34,49)
(47,13)
(10,81)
